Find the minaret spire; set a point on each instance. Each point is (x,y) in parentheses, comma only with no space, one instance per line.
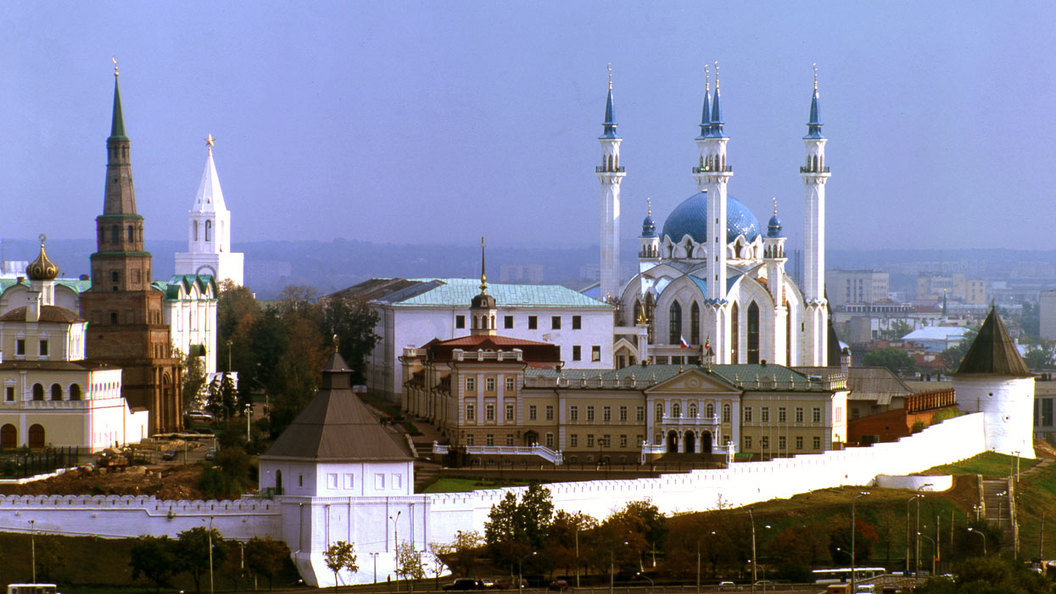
(483,276)
(610,173)
(814,124)
(705,117)
(117,122)
(814,173)
(716,110)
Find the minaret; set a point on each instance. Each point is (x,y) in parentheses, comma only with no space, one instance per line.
(815,173)
(712,175)
(122,307)
(610,173)
(482,309)
(649,255)
(774,258)
(209,231)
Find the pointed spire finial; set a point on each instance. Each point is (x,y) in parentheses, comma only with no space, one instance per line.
(209,141)
(42,239)
(116,73)
(707,79)
(649,206)
(335,342)
(716,75)
(483,277)
(774,199)
(609,66)
(815,66)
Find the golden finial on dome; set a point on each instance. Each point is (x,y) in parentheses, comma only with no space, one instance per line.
(716,75)
(774,199)
(707,79)
(209,141)
(42,269)
(609,66)
(116,73)
(649,206)
(335,342)
(815,67)
(483,277)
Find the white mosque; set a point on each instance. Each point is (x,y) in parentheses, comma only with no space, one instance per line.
(712,283)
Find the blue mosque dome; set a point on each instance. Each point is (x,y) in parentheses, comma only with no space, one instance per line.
(773,228)
(691,218)
(648,226)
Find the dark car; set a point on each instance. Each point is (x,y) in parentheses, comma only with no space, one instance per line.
(465,584)
(559,586)
(168,455)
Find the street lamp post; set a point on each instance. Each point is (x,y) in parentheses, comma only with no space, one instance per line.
(209,536)
(396,544)
(520,572)
(33,548)
(751,518)
(934,550)
(853,500)
(911,500)
(249,417)
(374,555)
(980,533)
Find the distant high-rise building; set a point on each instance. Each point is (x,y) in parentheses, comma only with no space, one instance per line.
(854,287)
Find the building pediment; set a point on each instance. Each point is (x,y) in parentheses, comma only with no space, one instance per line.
(693,381)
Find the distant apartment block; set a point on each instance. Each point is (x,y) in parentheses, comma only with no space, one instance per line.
(854,287)
(1047,301)
(957,287)
(531,274)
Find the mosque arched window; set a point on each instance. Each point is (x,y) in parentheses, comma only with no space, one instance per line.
(674,323)
(195,226)
(694,321)
(208,230)
(753,333)
(735,334)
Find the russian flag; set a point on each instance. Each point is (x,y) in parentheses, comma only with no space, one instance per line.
(682,340)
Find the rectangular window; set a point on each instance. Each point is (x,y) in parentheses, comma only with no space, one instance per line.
(747,442)
(623,414)
(43,348)
(590,414)
(799,414)
(549,412)
(764,414)
(489,439)
(509,384)
(509,412)
(764,442)
(606,441)
(573,413)
(460,321)
(590,440)
(782,443)
(595,353)
(782,414)
(573,441)
(623,441)
(531,412)
(469,440)
(576,322)
(9,394)
(606,414)
(799,442)
(533,322)
(575,352)
(379,481)
(489,384)
(489,412)
(815,415)
(639,414)
(727,413)
(507,322)
(397,481)
(350,481)
(471,384)
(747,414)
(555,322)
(471,413)
(20,346)
(509,439)
(331,480)
(816,442)
(639,439)
(549,440)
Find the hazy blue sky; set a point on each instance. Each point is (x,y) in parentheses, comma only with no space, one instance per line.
(435,122)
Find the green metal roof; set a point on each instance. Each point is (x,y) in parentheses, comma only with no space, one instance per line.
(455,292)
(77,285)
(743,376)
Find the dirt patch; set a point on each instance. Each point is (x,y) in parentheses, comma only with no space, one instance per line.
(162,481)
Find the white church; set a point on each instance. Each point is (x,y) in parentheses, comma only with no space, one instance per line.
(713,280)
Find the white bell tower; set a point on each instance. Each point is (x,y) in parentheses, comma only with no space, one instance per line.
(209,231)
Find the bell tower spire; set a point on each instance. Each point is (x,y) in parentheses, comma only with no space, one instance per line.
(814,173)
(610,173)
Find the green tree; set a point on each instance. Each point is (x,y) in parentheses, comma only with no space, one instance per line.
(952,356)
(897,360)
(193,552)
(515,528)
(840,540)
(988,575)
(153,558)
(896,330)
(193,380)
(340,556)
(353,323)
(1042,356)
(461,555)
(409,563)
(267,557)
(230,475)
(566,531)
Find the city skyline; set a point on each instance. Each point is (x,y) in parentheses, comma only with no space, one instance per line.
(431,123)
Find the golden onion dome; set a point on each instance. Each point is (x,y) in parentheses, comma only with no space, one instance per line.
(42,268)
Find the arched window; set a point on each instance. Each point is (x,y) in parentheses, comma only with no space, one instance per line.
(659,411)
(694,322)
(788,339)
(674,323)
(208,230)
(115,234)
(692,410)
(131,234)
(278,482)
(75,392)
(56,392)
(38,392)
(735,334)
(709,410)
(676,410)
(195,227)
(727,413)
(36,436)
(753,333)
(8,437)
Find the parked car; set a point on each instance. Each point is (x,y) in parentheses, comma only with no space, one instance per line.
(509,583)
(727,585)
(465,584)
(168,455)
(559,586)
(210,454)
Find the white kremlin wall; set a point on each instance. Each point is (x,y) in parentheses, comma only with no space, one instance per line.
(309,524)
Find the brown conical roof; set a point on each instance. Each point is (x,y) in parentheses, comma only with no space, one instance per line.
(337,427)
(993,352)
